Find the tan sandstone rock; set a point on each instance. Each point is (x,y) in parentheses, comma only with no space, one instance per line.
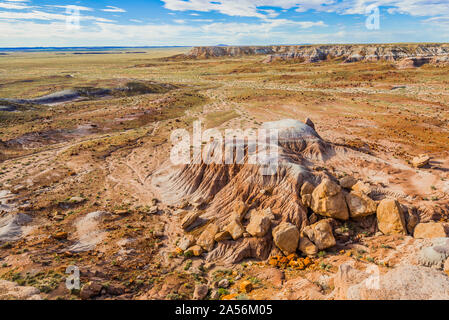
(328,200)
(360,205)
(241,208)
(361,188)
(347,182)
(321,234)
(189,219)
(259,225)
(307,247)
(222,236)
(235,227)
(390,218)
(421,161)
(286,237)
(206,239)
(195,250)
(307,188)
(430,230)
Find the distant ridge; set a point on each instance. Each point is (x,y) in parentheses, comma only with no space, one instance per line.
(68,49)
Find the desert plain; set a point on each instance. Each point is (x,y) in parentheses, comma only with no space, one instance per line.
(358,208)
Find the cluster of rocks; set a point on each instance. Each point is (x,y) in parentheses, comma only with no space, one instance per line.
(330,201)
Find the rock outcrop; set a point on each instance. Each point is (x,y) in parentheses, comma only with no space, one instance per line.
(328,200)
(320,234)
(390,217)
(430,230)
(286,237)
(407,56)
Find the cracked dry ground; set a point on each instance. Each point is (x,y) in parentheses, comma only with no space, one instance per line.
(62,163)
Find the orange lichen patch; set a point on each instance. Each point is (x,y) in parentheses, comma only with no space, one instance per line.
(246,286)
(178,251)
(291,261)
(229,296)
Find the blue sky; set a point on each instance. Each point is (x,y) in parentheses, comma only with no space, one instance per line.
(233,22)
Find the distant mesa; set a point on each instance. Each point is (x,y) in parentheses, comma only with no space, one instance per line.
(405,55)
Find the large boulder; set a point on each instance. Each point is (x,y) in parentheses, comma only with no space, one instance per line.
(360,205)
(307,188)
(390,218)
(206,239)
(235,227)
(286,237)
(328,200)
(320,234)
(259,224)
(430,230)
(307,247)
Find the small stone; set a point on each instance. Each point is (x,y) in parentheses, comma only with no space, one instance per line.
(195,250)
(200,292)
(246,286)
(222,236)
(76,200)
(121,212)
(224,283)
(347,182)
(307,188)
(184,204)
(90,290)
(153,210)
(60,235)
(185,243)
(209,265)
(214,295)
(189,219)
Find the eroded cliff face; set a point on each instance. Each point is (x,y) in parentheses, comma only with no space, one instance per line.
(422,53)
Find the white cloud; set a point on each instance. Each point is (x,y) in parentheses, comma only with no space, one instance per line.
(46,16)
(113,9)
(14,6)
(80,8)
(251,8)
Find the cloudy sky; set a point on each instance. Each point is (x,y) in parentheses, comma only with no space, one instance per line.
(29,23)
